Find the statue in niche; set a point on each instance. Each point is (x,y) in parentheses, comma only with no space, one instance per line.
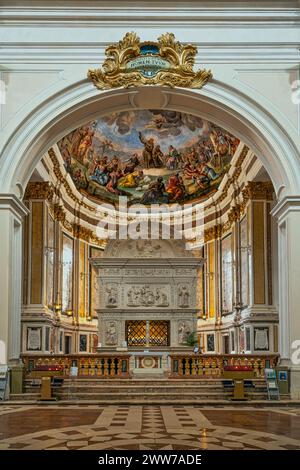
(161,298)
(183,332)
(183,297)
(111,334)
(111,296)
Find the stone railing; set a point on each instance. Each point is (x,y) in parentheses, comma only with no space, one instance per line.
(212,366)
(92,365)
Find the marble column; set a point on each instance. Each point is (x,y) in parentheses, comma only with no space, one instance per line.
(287,213)
(12,211)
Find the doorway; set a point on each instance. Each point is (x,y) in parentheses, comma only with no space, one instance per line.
(68,342)
(226,344)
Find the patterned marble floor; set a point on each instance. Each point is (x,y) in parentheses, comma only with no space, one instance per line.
(91,427)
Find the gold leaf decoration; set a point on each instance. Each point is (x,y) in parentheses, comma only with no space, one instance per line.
(130,63)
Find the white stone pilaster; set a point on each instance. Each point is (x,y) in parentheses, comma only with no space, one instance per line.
(287,212)
(12,211)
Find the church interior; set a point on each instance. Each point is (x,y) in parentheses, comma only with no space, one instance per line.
(149,214)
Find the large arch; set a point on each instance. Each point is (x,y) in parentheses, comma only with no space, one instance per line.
(217,102)
(80,103)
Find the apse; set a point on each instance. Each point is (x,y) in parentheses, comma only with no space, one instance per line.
(149,156)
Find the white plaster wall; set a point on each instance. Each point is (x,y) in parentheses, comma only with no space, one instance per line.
(252,52)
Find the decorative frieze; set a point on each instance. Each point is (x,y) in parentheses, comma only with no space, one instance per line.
(258,190)
(39,190)
(81,232)
(58,213)
(213,232)
(234,214)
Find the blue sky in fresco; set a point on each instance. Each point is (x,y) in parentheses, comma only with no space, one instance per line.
(126,138)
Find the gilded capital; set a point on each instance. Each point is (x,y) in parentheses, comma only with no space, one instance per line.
(39,190)
(258,190)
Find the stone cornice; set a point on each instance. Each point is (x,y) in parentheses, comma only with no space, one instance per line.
(12,203)
(93,53)
(287,205)
(101,12)
(141,311)
(142,262)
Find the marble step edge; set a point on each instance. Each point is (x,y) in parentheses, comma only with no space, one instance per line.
(204,403)
(145,379)
(140,383)
(115,396)
(138,388)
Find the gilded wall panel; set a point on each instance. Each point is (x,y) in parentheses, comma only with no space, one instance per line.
(67,272)
(211,278)
(258,253)
(25,257)
(227,274)
(244,261)
(37,212)
(82,279)
(50,262)
(94,253)
(269,255)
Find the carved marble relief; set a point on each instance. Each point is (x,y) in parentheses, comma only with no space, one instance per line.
(184,330)
(183,297)
(131,272)
(261,339)
(184,272)
(145,291)
(111,271)
(148,248)
(111,296)
(111,333)
(147,296)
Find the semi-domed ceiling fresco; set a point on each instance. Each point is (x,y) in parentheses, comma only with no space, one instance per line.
(150,156)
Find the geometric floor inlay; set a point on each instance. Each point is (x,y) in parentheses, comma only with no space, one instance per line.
(148,427)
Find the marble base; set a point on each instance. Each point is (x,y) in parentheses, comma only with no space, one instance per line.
(295,383)
(16,379)
(144,373)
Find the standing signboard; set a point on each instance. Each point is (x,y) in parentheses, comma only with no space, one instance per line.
(3,381)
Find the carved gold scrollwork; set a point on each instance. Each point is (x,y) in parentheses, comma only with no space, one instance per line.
(213,232)
(39,190)
(81,232)
(258,190)
(166,63)
(59,213)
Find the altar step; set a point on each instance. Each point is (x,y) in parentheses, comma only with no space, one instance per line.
(143,391)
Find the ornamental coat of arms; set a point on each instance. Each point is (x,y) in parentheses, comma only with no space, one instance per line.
(132,63)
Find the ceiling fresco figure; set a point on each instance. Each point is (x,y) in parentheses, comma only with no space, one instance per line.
(150,156)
